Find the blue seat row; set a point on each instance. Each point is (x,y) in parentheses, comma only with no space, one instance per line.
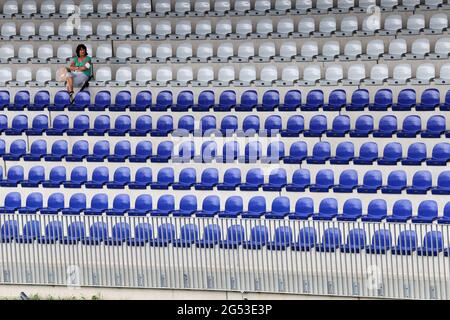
(295,126)
(298,152)
(421,181)
(314,100)
(189,235)
(328,209)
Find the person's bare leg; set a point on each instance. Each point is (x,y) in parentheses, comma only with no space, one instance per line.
(69,84)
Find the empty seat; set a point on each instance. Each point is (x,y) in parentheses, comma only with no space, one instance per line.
(427,212)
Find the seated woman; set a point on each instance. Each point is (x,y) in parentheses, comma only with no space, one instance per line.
(80,69)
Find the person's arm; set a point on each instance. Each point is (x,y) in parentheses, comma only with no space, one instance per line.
(72,66)
(84,68)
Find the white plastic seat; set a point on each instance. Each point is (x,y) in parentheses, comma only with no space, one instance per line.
(334,73)
(353,48)
(388,3)
(143,28)
(371,23)
(356,72)
(205,50)
(67,7)
(306,25)
(416,22)
(262,5)
(244,26)
(124,7)
(163,28)
(5,75)
(439,21)
(86,7)
(246,50)
(144,74)
(223,27)
(44,75)
(164,74)
(331,49)
(264,27)
(65,30)
(398,47)
(182,6)
(283,5)
(247,74)
(202,6)
(143,6)
(242,5)
(375,47)
(327,24)
(225,50)
(420,47)
(285,25)
(47,7)
(8,29)
(104,51)
(10,7)
(162,6)
(379,72)
(184,50)
(288,49)
(85,29)
(267,50)
(444,72)
(442,46)
(164,51)
(324,4)
(103,74)
(124,51)
(6,51)
(64,51)
(309,49)
(290,73)
(144,51)
(45,51)
(366,3)
(269,74)
(410,3)
(425,72)
(29,7)
(312,73)
(23,75)
(183,27)
(205,74)
(185,74)
(393,22)
(433,2)
(27,29)
(123,75)
(402,72)
(303,4)
(203,27)
(104,28)
(226,74)
(345,4)
(25,52)
(124,28)
(104,7)
(222,5)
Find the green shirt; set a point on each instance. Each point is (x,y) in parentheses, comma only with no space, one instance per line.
(87,72)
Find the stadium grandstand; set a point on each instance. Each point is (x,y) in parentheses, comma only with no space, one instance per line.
(268,146)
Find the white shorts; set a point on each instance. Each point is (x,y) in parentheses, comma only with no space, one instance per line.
(79,78)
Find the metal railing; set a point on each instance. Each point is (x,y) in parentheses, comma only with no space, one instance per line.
(361,259)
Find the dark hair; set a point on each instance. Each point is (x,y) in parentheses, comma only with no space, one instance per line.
(79,47)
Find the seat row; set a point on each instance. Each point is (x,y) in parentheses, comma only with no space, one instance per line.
(207,100)
(402,210)
(208,152)
(421,182)
(341,126)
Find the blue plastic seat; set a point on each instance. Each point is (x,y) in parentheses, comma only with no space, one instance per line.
(282,239)
(189,234)
(249,100)
(208,152)
(345,152)
(38,126)
(56,177)
(122,150)
(435,127)
(359,101)
(3,123)
(386,127)
(144,150)
(18,126)
(121,233)
(307,239)
(38,149)
(406,243)
(142,205)
(33,204)
(235,237)
(99,204)
(100,176)
(376,211)
(164,179)
(272,125)
(82,100)
(186,125)
(102,124)
(254,179)
(356,241)
(122,125)
(78,177)
(228,125)
(382,100)
(55,203)
(53,232)
(75,232)
(421,182)
(5,99)
(440,154)
(209,179)
(122,101)
(142,178)
(443,183)
(256,207)
(417,153)
(406,100)
(100,152)
(297,153)
(270,101)
(252,152)
(331,240)
(187,178)
(324,181)
(292,101)
(340,126)
(17,149)
(328,209)
(348,181)
(250,126)
(432,244)
(164,152)
(59,127)
(445,219)
(164,101)
(58,152)
(429,100)
(11,203)
(304,208)
(352,210)
(412,126)
(210,207)
(188,206)
(143,233)
(301,179)
(164,126)
(41,101)
(233,207)
(401,211)
(295,125)
(185,101)
(231,179)
(372,181)
(60,101)
(14,176)
(102,100)
(80,125)
(121,204)
(206,100)
(275,152)
(396,182)
(143,101)
(321,153)
(122,176)
(259,237)
(368,153)
(392,154)
(427,212)
(164,206)
(207,126)
(280,208)
(143,126)
(98,232)
(230,152)
(21,100)
(36,175)
(363,127)
(31,232)
(446,105)
(318,125)
(212,235)
(77,204)
(314,101)
(336,100)
(381,242)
